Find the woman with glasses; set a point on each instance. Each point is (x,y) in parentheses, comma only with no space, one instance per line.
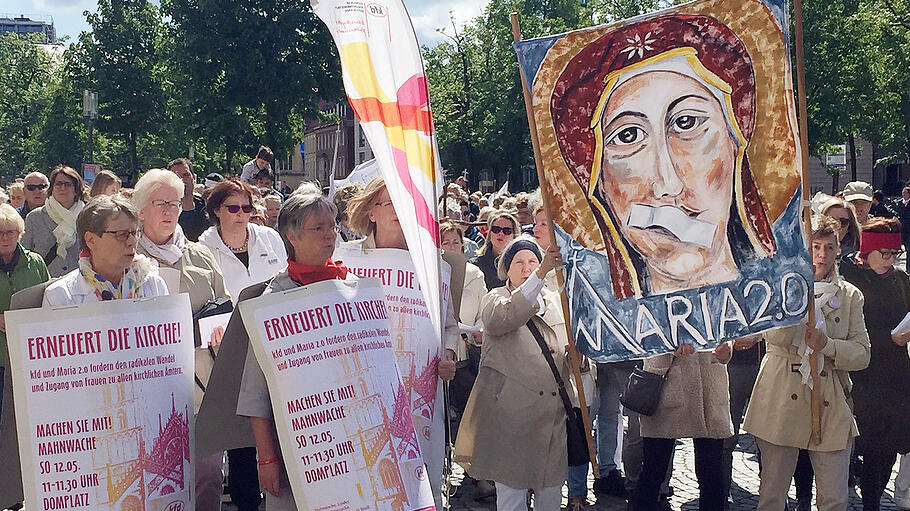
(21,268)
(248,254)
(372,214)
(306,223)
(158,196)
(848,230)
(881,392)
(51,229)
(109,267)
(502,227)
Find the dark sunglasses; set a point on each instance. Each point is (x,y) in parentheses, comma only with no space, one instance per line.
(33,188)
(233,208)
(505,230)
(844,222)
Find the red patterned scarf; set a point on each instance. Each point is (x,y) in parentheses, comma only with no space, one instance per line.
(304,274)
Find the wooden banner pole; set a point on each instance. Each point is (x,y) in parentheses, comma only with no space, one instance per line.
(807,213)
(574,355)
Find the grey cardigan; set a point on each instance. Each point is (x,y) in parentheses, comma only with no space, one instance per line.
(39,237)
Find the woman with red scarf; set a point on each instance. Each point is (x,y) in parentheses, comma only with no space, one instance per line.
(306,223)
(881,392)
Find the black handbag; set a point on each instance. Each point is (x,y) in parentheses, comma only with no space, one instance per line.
(642,392)
(576,441)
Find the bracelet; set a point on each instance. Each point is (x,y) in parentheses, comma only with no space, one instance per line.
(267,461)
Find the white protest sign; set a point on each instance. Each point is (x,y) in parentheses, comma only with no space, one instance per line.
(104,404)
(339,405)
(211,328)
(418,347)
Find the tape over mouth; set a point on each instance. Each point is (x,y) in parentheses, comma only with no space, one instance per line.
(674,221)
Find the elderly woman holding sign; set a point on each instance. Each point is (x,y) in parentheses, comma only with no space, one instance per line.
(109,267)
(780,414)
(881,392)
(158,196)
(306,223)
(514,426)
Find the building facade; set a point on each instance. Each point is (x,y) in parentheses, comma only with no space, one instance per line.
(43,25)
(311,160)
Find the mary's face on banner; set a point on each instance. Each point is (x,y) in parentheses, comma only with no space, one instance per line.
(668,165)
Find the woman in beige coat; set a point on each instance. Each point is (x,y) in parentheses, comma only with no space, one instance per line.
(694,403)
(779,415)
(158,196)
(514,427)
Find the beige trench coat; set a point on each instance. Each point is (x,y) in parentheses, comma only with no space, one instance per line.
(513,430)
(695,402)
(780,412)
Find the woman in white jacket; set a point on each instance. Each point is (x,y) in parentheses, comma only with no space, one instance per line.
(109,267)
(247,253)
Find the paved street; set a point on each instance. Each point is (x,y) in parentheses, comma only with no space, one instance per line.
(685,487)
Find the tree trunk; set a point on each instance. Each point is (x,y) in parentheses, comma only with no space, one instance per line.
(851,142)
(134,159)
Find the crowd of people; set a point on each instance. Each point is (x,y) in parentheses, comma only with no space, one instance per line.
(512,390)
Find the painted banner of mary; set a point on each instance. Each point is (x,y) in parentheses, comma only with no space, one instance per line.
(670,144)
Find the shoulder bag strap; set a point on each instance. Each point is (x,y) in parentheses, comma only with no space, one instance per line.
(566,402)
(51,255)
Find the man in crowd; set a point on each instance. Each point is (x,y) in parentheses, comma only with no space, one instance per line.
(262,162)
(35,192)
(903,212)
(192,216)
(859,194)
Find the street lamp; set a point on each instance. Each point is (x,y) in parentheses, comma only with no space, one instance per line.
(90,113)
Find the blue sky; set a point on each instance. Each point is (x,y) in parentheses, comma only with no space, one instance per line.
(427,15)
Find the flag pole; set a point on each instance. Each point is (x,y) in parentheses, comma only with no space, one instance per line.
(545,195)
(807,213)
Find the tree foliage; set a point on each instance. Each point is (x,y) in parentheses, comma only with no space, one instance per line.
(26,81)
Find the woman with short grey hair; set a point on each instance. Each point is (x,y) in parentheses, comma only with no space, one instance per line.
(109,267)
(306,224)
(159,196)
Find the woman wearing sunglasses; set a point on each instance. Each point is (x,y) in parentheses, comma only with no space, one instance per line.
(502,227)
(51,229)
(881,392)
(848,231)
(247,254)
(109,267)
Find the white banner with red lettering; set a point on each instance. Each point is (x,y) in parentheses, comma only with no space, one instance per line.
(418,347)
(340,408)
(104,404)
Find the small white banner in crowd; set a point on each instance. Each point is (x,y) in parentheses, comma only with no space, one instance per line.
(340,407)
(104,404)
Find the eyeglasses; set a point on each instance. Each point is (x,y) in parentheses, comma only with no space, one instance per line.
(234,208)
(844,222)
(9,234)
(384,204)
(63,183)
(34,188)
(888,254)
(166,204)
(322,229)
(124,234)
(505,230)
